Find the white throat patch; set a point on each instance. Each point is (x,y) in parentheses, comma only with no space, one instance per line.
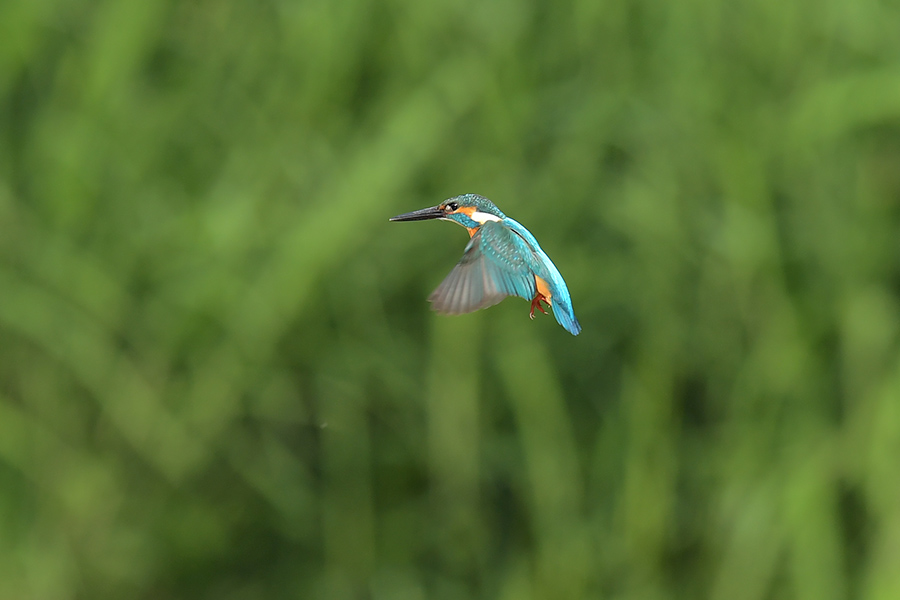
(483,218)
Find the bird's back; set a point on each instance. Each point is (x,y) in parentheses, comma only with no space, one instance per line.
(543,267)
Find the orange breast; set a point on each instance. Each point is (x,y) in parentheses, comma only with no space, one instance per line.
(542,288)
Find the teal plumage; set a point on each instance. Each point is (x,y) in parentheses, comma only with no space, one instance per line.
(501,259)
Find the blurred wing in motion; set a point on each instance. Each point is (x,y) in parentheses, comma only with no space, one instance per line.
(493,266)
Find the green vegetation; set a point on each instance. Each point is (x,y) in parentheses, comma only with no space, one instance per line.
(220,378)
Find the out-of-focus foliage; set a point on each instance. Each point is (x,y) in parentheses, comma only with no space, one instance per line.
(219,377)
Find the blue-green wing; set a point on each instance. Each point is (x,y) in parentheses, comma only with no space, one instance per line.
(494,265)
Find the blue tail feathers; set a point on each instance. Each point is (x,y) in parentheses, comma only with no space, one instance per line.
(565,316)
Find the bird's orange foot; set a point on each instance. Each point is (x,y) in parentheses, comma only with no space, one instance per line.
(536,303)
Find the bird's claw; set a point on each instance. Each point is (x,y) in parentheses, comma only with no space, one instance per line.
(536,303)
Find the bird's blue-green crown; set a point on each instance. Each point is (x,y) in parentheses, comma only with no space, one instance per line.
(470,210)
(480,203)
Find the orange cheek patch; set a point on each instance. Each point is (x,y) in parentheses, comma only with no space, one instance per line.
(468,210)
(542,288)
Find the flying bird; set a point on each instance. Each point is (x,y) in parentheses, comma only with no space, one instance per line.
(501,259)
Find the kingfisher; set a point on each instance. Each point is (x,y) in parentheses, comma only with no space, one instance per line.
(501,259)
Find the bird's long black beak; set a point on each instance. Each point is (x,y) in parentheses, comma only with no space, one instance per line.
(425,214)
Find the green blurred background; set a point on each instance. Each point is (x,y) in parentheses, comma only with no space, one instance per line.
(219,374)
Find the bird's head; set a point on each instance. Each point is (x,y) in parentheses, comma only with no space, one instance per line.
(469,210)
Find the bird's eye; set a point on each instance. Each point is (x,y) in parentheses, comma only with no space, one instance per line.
(451,206)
